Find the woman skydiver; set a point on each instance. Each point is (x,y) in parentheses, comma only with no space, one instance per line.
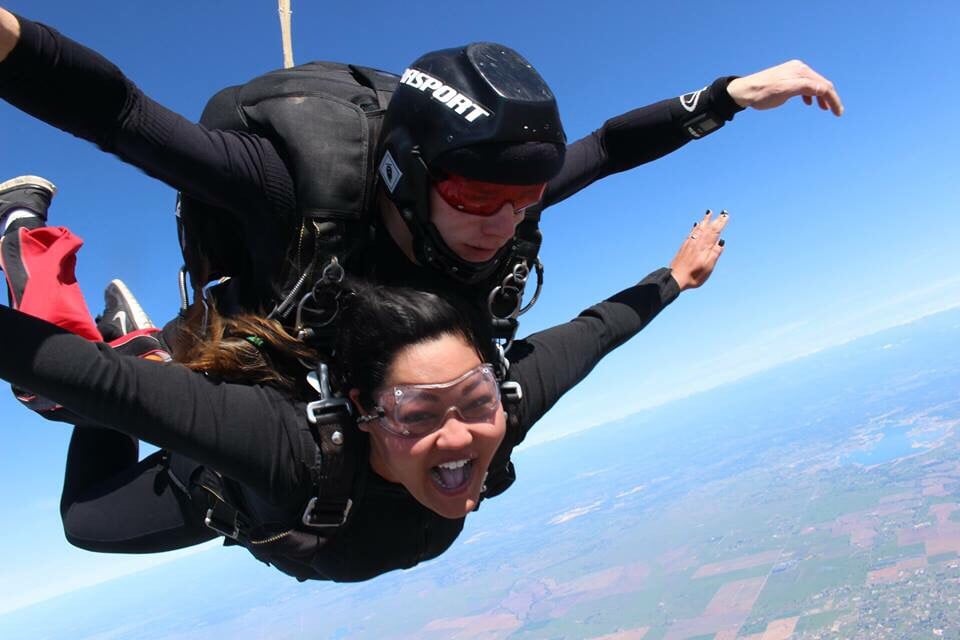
(430,422)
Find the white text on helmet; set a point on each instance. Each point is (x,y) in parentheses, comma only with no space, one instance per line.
(444,94)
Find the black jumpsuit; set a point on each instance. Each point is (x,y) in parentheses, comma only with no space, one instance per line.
(77,90)
(258,437)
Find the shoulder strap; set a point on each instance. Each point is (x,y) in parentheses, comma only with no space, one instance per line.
(334,469)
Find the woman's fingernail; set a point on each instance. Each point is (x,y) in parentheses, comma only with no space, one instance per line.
(721,242)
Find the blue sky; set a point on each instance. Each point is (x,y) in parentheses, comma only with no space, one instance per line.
(840,227)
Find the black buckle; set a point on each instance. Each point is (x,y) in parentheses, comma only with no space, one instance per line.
(223,519)
(325,514)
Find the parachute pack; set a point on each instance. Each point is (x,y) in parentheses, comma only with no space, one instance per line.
(324,118)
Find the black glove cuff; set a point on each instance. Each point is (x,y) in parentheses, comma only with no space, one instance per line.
(703,112)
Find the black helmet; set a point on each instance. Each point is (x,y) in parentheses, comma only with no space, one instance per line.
(480,111)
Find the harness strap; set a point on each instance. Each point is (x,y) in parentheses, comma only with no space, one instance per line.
(331,425)
(224,519)
(505,301)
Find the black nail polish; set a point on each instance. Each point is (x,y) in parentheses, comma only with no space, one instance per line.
(721,242)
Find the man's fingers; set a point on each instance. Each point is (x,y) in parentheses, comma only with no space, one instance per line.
(832,99)
(823,89)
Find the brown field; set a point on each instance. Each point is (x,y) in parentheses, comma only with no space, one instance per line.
(525,595)
(942,512)
(623,579)
(745,562)
(862,526)
(678,559)
(943,544)
(934,488)
(736,596)
(898,497)
(554,599)
(485,625)
(629,634)
(725,626)
(780,629)
(902,569)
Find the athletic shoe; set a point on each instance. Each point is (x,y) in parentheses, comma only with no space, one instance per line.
(122,314)
(26,192)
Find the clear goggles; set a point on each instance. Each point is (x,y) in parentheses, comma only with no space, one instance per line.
(486,198)
(415,410)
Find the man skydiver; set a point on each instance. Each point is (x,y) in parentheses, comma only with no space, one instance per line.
(443,94)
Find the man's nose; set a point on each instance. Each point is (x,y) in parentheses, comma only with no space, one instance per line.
(503,223)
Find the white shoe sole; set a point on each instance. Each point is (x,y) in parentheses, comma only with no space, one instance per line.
(29,181)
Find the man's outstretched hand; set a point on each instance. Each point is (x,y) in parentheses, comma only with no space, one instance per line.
(772,87)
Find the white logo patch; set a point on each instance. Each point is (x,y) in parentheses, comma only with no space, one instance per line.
(690,100)
(390,172)
(444,94)
(122,317)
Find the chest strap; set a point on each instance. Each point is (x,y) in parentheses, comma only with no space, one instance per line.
(335,448)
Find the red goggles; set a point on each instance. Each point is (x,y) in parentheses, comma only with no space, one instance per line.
(486,198)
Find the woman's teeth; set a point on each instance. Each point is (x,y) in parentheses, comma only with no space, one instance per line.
(452,475)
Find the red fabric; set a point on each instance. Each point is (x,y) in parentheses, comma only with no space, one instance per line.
(52,293)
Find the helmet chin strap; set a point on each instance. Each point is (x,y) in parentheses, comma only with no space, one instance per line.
(430,249)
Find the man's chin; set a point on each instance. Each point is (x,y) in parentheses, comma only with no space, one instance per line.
(477,255)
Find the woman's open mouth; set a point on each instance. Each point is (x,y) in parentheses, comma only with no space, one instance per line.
(452,477)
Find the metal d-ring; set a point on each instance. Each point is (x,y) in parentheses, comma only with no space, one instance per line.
(536,292)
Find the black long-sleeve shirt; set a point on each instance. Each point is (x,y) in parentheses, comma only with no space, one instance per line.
(259,438)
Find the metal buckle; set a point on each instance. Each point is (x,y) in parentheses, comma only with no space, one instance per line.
(511,391)
(320,381)
(308,512)
(212,522)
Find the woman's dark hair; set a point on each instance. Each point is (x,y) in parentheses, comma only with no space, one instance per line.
(247,349)
(374,324)
(377,322)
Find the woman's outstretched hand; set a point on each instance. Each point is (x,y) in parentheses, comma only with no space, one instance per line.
(699,252)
